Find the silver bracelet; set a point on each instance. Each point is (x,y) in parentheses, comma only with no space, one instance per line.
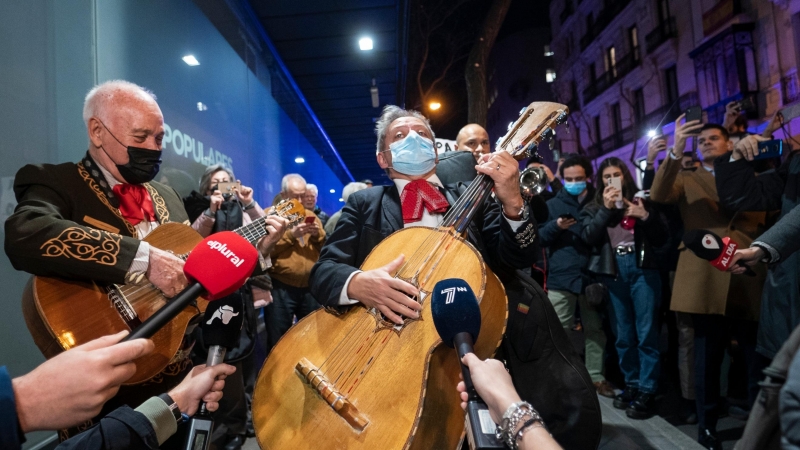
(530,424)
(513,415)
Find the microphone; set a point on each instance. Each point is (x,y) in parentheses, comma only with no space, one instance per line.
(221,327)
(457,318)
(719,251)
(216,268)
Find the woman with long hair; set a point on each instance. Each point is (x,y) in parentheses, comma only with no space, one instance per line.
(623,234)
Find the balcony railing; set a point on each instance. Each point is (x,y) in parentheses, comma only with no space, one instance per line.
(790,88)
(662,33)
(606,16)
(611,143)
(622,67)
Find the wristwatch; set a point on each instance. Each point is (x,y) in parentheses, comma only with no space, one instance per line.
(523,213)
(173,407)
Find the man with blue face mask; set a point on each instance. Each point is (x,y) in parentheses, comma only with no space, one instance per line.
(416,198)
(567,259)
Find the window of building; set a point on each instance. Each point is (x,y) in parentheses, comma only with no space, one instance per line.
(592,73)
(547,51)
(597,134)
(671,83)
(550,75)
(725,67)
(633,42)
(616,118)
(663,10)
(611,61)
(638,104)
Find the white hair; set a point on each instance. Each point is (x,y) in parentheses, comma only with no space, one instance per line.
(312,187)
(98,97)
(289,177)
(390,114)
(351,188)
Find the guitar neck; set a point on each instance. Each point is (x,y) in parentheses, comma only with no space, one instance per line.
(253,231)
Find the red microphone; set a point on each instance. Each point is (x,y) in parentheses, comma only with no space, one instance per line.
(718,251)
(216,268)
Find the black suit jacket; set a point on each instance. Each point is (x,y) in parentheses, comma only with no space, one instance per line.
(373,214)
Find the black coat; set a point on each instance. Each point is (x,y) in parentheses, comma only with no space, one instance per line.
(650,236)
(373,214)
(741,190)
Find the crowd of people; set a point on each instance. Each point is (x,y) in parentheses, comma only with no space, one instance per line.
(613,248)
(605,249)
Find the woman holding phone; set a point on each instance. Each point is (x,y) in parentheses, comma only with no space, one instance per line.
(623,235)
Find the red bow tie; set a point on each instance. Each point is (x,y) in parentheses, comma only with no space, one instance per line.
(134,203)
(420,193)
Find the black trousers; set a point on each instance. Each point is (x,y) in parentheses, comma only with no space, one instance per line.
(712,334)
(287,302)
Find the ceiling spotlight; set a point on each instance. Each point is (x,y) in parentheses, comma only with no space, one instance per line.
(299,160)
(365,43)
(333,191)
(434,106)
(191,60)
(201,106)
(651,133)
(341,200)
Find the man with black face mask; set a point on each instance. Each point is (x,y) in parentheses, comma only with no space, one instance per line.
(85,220)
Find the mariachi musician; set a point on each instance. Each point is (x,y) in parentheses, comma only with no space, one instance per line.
(86,220)
(503,231)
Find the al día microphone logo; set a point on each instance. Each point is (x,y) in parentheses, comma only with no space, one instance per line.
(710,243)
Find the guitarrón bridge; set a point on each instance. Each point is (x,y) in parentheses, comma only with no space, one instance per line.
(312,376)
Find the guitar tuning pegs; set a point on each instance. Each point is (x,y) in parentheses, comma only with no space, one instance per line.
(567,126)
(510,125)
(497,144)
(522,111)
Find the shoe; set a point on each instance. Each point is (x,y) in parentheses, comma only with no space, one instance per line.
(623,400)
(605,389)
(709,440)
(738,413)
(642,407)
(235,442)
(250,431)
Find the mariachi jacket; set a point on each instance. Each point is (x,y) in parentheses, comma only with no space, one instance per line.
(67,223)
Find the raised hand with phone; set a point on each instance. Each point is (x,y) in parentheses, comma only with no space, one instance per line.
(685,130)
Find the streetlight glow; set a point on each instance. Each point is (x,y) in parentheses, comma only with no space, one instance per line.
(434,106)
(365,43)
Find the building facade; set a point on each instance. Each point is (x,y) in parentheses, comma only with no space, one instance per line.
(626,67)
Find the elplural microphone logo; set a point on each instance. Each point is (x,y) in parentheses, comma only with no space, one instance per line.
(226,252)
(710,243)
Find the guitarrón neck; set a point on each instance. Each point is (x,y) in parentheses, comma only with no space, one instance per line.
(462,212)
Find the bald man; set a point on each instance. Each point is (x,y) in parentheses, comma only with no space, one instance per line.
(473,138)
(86,220)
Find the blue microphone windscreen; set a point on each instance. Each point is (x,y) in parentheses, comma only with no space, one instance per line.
(455,310)
(222,323)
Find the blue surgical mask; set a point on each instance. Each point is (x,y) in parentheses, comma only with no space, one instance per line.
(575,187)
(414,155)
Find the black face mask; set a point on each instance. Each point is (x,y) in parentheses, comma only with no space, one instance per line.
(142,165)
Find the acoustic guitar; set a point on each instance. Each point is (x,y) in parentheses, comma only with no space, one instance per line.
(358,381)
(61,314)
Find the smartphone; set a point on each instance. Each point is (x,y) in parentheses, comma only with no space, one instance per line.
(694,113)
(566,217)
(228,187)
(790,112)
(769,149)
(617,183)
(310,219)
(746,104)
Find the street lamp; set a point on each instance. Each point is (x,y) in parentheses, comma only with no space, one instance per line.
(434,106)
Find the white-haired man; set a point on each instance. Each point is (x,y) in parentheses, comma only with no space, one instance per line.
(294,255)
(86,220)
(310,202)
(348,190)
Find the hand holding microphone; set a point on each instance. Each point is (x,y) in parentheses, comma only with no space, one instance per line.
(719,251)
(745,257)
(217,267)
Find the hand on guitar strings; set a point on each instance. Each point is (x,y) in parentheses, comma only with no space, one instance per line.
(202,383)
(377,288)
(165,271)
(503,169)
(73,386)
(275,225)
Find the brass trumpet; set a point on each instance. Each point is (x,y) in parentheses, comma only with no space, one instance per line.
(532,181)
